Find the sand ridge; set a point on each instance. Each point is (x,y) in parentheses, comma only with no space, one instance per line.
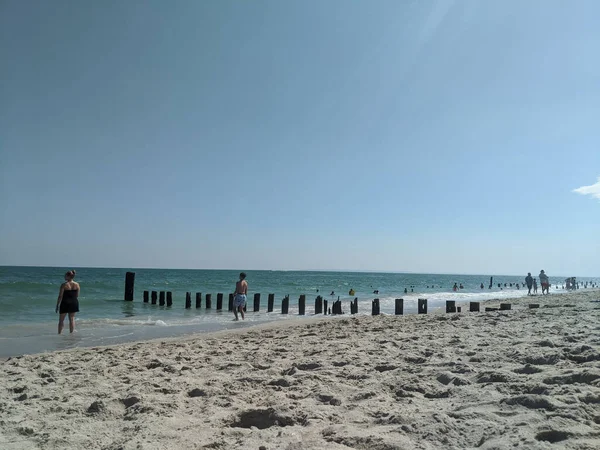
(525,377)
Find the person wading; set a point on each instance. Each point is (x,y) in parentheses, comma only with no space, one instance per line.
(68,301)
(239,299)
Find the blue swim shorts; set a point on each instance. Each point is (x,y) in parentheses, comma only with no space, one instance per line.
(239,300)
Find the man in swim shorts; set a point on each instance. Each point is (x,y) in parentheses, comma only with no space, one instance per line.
(239,298)
(545,282)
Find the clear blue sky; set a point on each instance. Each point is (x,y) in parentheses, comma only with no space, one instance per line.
(421,136)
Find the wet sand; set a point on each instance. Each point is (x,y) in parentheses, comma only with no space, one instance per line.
(527,378)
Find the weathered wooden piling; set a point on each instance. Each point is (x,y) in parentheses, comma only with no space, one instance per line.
(129,283)
(208,300)
(399,307)
(154,297)
(198,299)
(505,306)
(324,306)
(285,305)
(337,307)
(450,306)
(302,305)
(354,306)
(230,307)
(458,308)
(534,305)
(256,302)
(422,305)
(146,297)
(170,298)
(270,302)
(474,306)
(188,300)
(219,301)
(319,305)
(161,298)
(375,307)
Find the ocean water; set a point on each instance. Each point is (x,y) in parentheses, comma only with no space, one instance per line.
(28,298)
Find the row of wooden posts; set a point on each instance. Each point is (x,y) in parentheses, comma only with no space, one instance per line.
(321,305)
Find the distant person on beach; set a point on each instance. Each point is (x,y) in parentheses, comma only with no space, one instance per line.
(68,302)
(455,287)
(534,286)
(545,282)
(239,299)
(529,282)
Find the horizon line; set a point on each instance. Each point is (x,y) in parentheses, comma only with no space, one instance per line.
(283,270)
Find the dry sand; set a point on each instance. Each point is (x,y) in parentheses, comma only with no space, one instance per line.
(526,378)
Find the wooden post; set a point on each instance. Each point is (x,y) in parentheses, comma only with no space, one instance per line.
(230,302)
(324,306)
(145,296)
(375,307)
(285,304)
(319,305)
(422,302)
(256,302)
(161,298)
(335,307)
(355,308)
(534,305)
(219,302)
(270,302)
(154,296)
(129,282)
(170,298)
(474,306)
(450,306)
(198,299)
(208,301)
(458,308)
(399,306)
(302,305)
(188,300)
(504,306)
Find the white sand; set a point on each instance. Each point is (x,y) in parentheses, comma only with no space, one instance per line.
(521,378)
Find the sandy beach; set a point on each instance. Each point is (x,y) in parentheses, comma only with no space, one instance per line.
(526,378)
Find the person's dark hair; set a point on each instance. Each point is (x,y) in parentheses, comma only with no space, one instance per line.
(243,275)
(70,274)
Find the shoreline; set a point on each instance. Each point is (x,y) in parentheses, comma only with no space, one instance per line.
(523,377)
(297,320)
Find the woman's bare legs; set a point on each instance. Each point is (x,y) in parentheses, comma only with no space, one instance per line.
(71,322)
(61,322)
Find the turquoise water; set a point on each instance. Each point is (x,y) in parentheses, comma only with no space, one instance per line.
(28,297)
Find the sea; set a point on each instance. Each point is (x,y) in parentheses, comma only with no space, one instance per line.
(28,323)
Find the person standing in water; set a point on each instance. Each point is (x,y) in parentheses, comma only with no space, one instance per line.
(239,299)
(67,302)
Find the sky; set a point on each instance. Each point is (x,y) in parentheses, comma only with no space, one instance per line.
(432,136)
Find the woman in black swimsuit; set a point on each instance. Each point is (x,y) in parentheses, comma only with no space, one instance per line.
(67,302)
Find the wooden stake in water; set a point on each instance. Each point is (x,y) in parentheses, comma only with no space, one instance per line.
(129,283)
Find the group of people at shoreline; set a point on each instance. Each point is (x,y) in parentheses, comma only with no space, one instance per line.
(67,303)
